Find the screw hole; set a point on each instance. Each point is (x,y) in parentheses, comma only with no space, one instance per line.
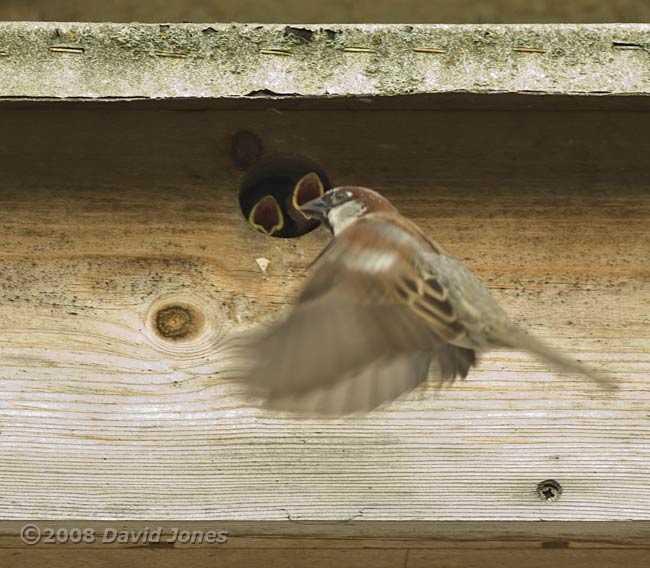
(549,490)
(246,149)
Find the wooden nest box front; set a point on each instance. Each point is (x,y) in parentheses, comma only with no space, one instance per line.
(127,264)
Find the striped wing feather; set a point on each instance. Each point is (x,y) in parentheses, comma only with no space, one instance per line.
(365,327)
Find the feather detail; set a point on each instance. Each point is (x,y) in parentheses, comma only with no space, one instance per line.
(381,381)
(515,337)
(383,303)
(363,303)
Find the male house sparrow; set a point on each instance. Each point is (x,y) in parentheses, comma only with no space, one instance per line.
(383,304)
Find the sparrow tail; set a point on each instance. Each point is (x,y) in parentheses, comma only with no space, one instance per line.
(519,339)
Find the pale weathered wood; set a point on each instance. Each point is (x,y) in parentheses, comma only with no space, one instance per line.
(108,61)
(106,213)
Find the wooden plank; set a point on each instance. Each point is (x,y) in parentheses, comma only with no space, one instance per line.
(347,544)
(483,535)
(108,61)
(424,102)
(322,558)
(107,214)
(379,11)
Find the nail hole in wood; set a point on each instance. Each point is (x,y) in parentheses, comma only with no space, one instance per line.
(246,149)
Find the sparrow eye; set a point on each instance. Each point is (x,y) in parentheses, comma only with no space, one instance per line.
(341,197)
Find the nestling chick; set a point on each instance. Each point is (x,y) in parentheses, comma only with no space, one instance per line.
(266,216)
(273,191)
(384,304)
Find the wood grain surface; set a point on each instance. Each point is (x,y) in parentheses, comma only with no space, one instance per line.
(109,214)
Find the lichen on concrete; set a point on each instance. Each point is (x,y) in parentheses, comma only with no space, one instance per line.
(154,61)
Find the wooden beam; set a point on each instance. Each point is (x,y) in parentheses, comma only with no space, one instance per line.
(110,213)
(84,61)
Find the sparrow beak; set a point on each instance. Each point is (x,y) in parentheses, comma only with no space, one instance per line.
(316,208)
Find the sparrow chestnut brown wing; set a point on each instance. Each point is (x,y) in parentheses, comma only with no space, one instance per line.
(384,303)
(487,325)
(368,319)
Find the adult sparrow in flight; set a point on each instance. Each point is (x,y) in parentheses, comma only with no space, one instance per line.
(383,304)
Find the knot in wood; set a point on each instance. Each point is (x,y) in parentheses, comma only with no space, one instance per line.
(177,322)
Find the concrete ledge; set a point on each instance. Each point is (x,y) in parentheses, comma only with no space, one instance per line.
(149,61)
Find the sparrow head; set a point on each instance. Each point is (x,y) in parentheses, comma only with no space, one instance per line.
(341,206)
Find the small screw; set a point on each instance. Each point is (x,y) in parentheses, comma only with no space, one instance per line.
(549,490)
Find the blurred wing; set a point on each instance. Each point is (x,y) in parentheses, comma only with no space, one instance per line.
(454,362)
(380,381)
(365,315)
